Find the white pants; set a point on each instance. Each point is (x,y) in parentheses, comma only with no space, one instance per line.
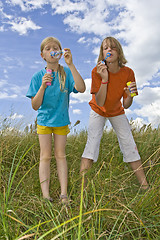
(122,128)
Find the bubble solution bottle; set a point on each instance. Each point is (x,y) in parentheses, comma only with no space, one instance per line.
(49,71)
(132,94)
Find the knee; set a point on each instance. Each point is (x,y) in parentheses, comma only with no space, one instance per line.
(59,155)
(45,158)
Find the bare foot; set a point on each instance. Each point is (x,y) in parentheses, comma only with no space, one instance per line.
(64,199)
(49,199)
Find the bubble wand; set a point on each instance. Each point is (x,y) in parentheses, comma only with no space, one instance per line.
(57,54)
(107,55)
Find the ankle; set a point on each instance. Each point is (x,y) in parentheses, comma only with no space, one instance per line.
(145,186)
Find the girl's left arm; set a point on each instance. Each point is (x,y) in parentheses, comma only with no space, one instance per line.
(127,102)
(79,82)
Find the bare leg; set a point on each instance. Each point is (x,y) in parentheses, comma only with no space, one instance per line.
(59,150)
(139,172)
(44,166)
(86,164)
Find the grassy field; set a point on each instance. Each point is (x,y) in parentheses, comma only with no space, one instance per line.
(112,207)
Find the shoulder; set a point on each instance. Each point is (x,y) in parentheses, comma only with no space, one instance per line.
(66,69)
(39,73)
(95,75)
(127,73)
(127,70)
(94,70)
(67,72)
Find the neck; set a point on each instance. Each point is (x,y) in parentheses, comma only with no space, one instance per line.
(52,66)
(113,67)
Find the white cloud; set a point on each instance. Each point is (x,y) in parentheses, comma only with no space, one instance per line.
(17,2)
(138,123)
(89,41)
(148,95)
(2,28)
(11,91)
(2,83)
(28,5)
(22,25)
(16,116)
(77,111)
(73,101)
(65,6)
(92,22)
(148,101)
(128,111)
(4,15)
(5,95)
(151,112)
(19,24)
(86,96)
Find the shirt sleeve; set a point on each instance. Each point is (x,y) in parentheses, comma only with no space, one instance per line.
(131,77)
(96,81)
(34,87)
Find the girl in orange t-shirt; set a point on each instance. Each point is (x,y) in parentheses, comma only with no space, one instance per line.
(109,84)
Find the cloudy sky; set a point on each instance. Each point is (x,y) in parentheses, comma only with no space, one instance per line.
(80,25)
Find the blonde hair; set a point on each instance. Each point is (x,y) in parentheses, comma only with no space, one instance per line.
(113,42)
(61,72)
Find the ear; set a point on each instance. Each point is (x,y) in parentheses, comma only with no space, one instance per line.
(42,56)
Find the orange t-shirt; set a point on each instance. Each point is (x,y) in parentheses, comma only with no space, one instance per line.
(115,91)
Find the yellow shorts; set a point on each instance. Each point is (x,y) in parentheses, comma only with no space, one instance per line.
(49,130)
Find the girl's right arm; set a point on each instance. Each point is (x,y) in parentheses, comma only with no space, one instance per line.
(38,98)
(102,93)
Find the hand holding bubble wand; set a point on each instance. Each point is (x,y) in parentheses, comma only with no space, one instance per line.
(107,55)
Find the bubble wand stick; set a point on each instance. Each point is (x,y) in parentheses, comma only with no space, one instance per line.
(107,55)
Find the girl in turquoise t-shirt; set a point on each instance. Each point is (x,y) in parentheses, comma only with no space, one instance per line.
(49,92)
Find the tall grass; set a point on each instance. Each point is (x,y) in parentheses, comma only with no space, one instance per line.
(111,207)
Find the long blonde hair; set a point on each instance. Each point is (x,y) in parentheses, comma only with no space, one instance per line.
(113,42)
(61,72)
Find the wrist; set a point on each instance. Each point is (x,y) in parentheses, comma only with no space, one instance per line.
(104,82)
(43,87)
(70,65)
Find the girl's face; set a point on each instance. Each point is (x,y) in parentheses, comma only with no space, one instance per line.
(110,47)
(48,48)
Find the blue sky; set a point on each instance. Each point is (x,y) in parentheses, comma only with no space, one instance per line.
(81,26)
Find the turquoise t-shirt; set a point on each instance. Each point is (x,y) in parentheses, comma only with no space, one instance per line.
(54,109)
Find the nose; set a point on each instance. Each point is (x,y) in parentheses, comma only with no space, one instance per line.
(109,49)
